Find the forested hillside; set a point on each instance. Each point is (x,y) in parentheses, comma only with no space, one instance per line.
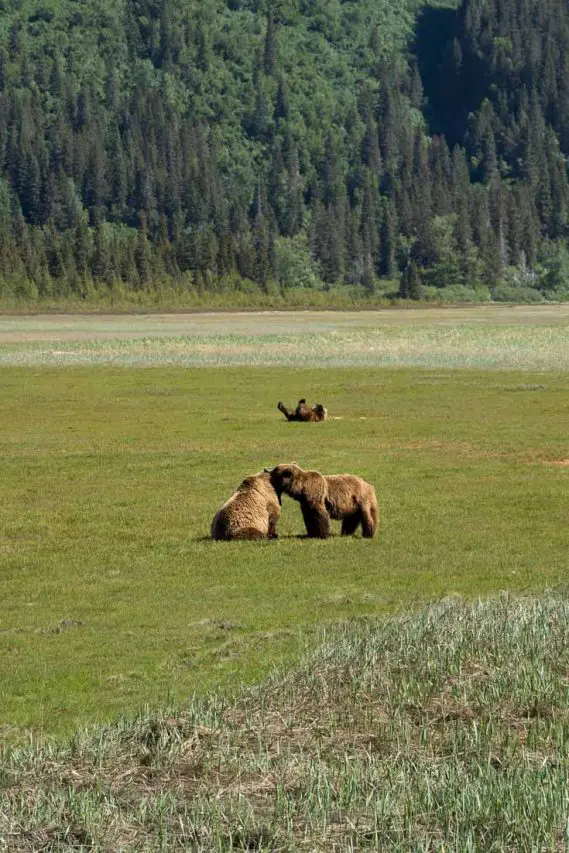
(365,146)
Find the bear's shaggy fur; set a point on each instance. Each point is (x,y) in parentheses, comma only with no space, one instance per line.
(303,412)
(343,497)
(251,512)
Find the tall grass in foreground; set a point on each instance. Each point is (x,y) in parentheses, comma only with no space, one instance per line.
(446,730)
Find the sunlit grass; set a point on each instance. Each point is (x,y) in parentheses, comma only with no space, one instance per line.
(112,595)
(439,729)
(444,730)
(505,347)
(524,338)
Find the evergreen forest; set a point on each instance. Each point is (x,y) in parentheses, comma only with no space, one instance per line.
(214,148)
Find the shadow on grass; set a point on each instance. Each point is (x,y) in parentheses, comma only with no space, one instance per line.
(287,538)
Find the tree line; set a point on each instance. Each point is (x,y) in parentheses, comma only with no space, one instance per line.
(341,146)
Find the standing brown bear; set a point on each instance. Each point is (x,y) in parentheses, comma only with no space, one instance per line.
(251,512)
(303,412)
(343,497)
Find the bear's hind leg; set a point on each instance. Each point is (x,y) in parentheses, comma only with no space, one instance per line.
(350,523)
(369,522)
(288,415)
(249,533)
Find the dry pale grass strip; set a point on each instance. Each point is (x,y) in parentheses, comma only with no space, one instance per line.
(529,347)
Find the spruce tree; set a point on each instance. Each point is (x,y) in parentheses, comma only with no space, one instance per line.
(270,50)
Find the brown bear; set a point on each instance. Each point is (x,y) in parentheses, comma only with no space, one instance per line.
(343,497)
(251,512)
(303,412)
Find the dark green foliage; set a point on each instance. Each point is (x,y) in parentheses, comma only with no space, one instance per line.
(143,139)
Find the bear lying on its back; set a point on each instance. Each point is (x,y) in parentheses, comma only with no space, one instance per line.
(344,497)
(251,512)
(303,413)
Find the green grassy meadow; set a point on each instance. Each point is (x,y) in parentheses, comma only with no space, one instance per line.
(113,596)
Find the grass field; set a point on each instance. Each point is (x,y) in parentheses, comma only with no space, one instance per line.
(494,336)
(445,731)
(114,598)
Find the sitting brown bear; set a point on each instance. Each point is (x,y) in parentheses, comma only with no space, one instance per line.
(303,413)
(343,497)
(251,512)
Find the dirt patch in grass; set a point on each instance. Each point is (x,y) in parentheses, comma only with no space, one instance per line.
(59,628)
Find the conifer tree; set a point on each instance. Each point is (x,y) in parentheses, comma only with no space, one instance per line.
(142,254)
(270,52)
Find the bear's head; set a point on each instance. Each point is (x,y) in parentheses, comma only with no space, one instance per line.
(254,481)
(284,477)
(320,411)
